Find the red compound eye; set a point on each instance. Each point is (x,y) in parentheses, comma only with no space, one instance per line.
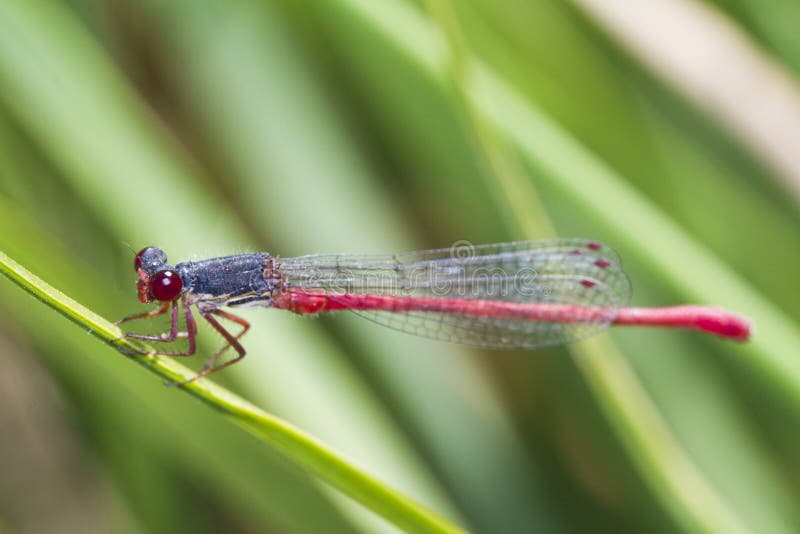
(165,285)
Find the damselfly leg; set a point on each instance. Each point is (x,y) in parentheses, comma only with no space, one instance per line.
(190,334)
(166,337)
(210,367)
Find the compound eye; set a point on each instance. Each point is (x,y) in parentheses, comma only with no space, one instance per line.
(165,285)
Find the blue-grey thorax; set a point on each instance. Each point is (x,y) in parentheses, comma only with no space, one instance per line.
(238,279)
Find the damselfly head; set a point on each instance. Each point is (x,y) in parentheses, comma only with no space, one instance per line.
(157,280)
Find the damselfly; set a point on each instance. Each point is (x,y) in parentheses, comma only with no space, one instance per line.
(518,295)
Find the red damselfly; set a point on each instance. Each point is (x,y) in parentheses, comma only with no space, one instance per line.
(518,295)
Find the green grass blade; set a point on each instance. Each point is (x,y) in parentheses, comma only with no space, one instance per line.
(136,180)
(292,442)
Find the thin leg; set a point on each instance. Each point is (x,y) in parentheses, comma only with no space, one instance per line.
(161,310)
(166,337)
(231,317)
(190,334)
(232,341)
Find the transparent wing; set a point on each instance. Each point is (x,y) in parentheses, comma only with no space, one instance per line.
(576,272)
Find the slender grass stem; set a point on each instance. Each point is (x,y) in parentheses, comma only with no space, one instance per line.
(304,449)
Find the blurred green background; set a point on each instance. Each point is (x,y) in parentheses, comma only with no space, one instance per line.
(208,127)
